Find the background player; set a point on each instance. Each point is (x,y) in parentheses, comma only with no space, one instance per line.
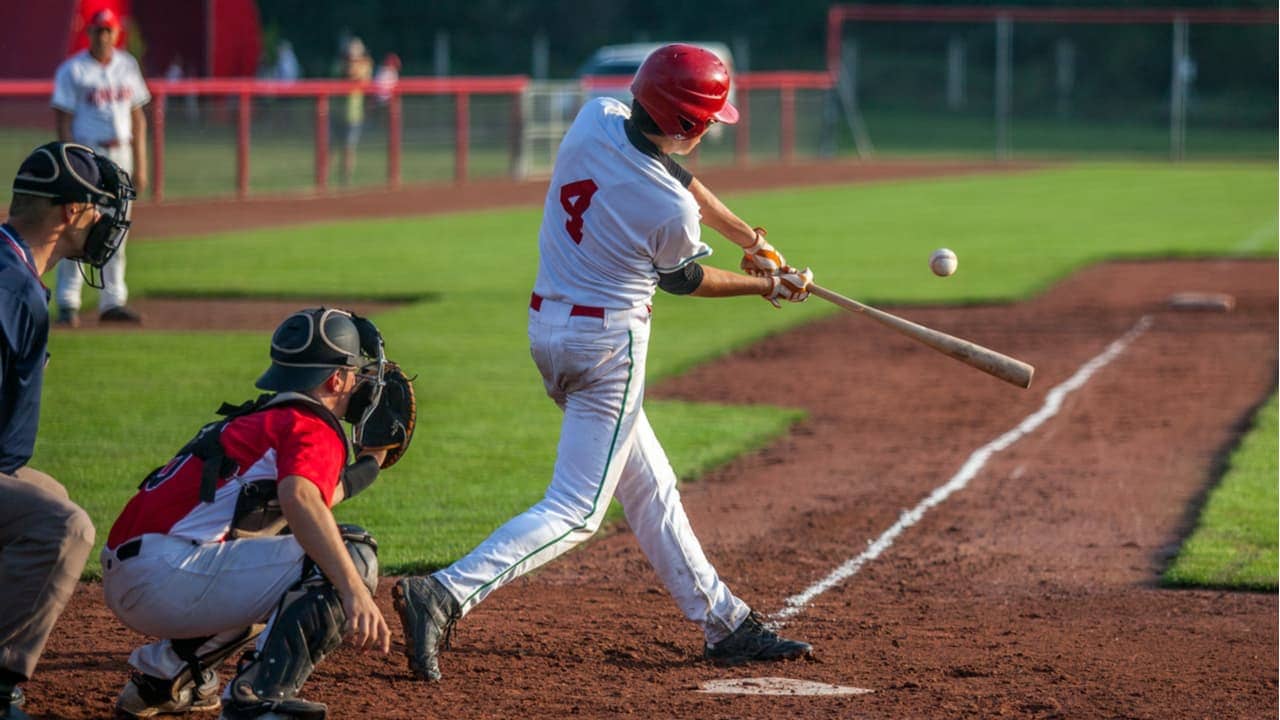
(98,95)
(621,218)
(197,554)
(67,203)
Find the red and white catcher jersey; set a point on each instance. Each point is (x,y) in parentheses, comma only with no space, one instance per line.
(268,445)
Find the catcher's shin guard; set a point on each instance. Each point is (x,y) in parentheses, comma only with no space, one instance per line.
(307,626)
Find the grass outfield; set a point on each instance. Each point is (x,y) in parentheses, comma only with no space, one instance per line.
(1235,541)
(117,405)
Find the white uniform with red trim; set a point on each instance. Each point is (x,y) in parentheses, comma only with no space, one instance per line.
(187,579)
(100,98)
(614,217)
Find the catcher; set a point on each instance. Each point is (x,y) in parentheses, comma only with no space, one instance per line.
(237,530)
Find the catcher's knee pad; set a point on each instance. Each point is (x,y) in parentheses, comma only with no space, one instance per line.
(364,553)
(307,626)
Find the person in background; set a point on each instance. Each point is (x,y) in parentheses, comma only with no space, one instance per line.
(98,96)
(287,67)
(386,78)
(357,66)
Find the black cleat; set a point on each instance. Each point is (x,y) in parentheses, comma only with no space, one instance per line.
(753,641)
(120,314)
(427,611)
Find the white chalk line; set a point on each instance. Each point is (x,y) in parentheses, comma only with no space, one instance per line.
(1258,237)
(1052,404)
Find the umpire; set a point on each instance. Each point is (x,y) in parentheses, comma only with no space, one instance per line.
(66,201)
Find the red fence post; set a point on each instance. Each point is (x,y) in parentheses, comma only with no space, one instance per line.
(157,145)
(787,126)
(242,146)
(322,142)
(742,140)
(393,139)
(462,123)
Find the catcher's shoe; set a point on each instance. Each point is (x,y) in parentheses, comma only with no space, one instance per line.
(753,641)
(293,709)
(427,611)
(146,696)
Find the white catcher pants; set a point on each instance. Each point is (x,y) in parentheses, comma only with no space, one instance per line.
(174,589)
(114,291)
(594,370)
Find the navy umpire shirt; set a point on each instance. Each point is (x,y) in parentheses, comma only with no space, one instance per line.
(24,342)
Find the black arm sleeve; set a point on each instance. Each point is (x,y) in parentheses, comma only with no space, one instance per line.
(682,281)
(358,475)
(678,171)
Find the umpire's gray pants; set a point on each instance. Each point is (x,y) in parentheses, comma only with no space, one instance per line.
(44,541)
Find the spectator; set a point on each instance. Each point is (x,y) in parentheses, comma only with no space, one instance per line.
(287,68)
(358,67)
(387,77)
(98,96)
(64,198)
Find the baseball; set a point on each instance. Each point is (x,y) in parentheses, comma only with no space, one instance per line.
(943,262)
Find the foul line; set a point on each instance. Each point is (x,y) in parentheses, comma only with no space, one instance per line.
(1052,404)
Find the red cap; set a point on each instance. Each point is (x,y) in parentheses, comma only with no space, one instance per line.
(105,18)
(684,89)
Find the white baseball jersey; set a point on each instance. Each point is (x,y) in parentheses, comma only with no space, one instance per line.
(614,217)
(100,97)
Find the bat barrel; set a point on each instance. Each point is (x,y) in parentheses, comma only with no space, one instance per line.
(1009,369)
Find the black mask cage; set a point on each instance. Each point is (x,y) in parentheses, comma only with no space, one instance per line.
(115,204)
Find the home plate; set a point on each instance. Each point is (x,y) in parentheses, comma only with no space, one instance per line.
(776,686)
(1215,302)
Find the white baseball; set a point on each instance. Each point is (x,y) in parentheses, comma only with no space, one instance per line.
(943,262)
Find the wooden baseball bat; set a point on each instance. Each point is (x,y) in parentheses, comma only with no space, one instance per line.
(987,360)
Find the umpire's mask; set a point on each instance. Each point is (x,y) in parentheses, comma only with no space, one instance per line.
(70,173)
(308,346)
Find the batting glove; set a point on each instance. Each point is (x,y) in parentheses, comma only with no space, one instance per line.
(761,258)
(791,285)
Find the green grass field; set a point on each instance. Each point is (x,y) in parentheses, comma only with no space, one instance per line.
(1235,541)
(117,405)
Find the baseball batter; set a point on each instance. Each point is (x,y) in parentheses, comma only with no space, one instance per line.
(621,219)
(197,557)
(98,95)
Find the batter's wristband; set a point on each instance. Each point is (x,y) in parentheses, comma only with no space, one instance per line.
(359,475)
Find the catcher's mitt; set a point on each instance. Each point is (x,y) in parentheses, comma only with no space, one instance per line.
(390,424)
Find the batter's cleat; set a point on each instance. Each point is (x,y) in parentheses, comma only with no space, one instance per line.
(120,314)
(753,641)
(67,318)
(146,696)
(428,612)
(290,709)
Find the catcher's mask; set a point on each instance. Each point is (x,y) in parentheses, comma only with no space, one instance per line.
(310,344)
(71,173)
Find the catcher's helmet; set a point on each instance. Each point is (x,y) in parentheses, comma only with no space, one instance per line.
(684,88)
(308,346)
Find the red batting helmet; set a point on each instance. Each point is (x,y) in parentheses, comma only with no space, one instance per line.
(684,89)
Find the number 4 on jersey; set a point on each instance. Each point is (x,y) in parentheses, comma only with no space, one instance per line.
(575,198)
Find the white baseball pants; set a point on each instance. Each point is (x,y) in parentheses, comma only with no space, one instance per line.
(114,292)
(593,367)
(174,589)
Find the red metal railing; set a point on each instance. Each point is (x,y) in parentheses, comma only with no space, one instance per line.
(785,82)
(461,88)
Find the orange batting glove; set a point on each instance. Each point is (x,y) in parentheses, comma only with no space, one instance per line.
(761,258)
(791,285)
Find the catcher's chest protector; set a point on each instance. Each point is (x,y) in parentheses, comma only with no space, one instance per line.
(257,512)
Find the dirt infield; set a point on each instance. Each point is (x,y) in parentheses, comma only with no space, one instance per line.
(1029,593)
